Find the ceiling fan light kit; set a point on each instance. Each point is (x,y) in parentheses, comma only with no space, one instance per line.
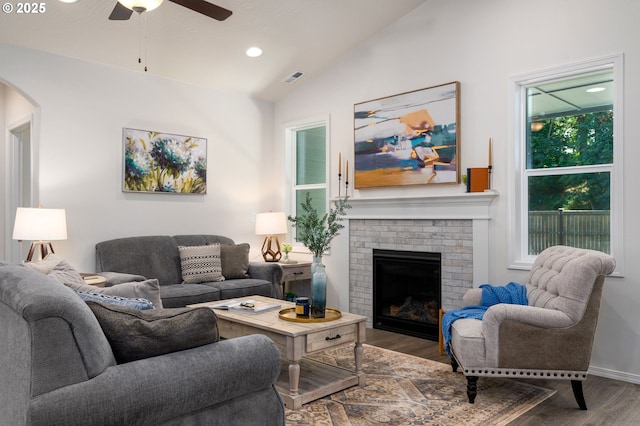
(124,8)
(141,5)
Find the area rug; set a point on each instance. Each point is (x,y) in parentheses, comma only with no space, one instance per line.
(406,390)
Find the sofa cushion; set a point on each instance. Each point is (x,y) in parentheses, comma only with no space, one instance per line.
(150,256)
(135,334)
(230,289)
(58,268)
(181,295)
(140,304)
(467,333)
(201,263)
(235,260)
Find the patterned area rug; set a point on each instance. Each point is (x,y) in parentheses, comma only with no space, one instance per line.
(406,390)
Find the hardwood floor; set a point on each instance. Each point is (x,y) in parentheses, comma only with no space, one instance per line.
(610,402)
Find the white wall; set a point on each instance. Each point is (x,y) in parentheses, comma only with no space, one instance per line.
(482,44)
(84,106)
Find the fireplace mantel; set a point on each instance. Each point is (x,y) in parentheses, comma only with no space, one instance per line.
(473,205)
(453,210)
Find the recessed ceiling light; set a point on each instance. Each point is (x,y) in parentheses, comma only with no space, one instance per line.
(254,52)
(596,89)
(68,1)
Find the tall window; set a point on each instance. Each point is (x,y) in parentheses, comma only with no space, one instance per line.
(308,151)
(568,178)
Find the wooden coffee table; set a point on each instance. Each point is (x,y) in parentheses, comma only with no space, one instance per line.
(302,380)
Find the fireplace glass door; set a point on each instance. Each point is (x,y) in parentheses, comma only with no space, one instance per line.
(406,292)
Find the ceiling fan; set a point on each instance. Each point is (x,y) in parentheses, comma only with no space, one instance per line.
(125,8)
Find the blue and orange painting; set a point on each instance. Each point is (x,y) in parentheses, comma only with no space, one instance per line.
(408,139)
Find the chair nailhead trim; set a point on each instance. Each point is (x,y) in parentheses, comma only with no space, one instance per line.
(528,373)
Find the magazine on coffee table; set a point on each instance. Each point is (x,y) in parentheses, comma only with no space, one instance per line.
(245,306)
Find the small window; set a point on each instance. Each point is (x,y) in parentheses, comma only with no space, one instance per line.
(307,145)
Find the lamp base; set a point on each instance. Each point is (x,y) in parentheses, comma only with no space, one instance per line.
(271,249)
(45,249)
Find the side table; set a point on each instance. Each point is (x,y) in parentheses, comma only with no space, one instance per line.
(294,273)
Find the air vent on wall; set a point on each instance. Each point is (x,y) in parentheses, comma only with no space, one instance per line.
(293,77)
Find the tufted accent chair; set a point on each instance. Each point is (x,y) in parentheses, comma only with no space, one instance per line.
(550,338)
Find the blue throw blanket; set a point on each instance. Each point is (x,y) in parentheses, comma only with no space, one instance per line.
(513,293)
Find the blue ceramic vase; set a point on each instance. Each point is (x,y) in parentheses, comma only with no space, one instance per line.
(318,288)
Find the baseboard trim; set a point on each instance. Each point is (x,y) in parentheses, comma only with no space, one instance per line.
(615,375)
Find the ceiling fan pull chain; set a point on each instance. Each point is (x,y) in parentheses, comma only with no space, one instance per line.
(145,43)
(139,39)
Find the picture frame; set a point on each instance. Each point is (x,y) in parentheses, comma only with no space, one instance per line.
(410,138)
(156,162)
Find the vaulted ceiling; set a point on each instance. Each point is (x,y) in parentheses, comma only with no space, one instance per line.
(296,36)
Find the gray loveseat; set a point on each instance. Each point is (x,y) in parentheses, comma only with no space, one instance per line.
(136,258)
(58,368)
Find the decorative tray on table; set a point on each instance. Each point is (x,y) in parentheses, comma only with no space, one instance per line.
(289,314)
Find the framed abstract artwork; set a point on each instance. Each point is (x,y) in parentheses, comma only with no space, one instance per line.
(408,139)
(164,163)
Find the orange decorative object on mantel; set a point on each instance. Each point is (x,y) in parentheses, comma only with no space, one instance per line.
(477,179)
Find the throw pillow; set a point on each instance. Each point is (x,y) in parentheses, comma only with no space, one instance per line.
(201,263)
(67,275)
(147,289)
(58,268)
(45,265)
(137,334)
(139,304)
(235,260)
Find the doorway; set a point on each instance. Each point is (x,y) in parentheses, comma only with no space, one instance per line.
(20,182)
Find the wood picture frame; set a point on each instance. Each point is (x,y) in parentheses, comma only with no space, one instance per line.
(408,139)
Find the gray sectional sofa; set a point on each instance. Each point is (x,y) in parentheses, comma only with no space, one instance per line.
(60,366)
(137,258)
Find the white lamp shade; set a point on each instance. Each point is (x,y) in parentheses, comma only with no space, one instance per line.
(147,5)
(40,224)
(271,223)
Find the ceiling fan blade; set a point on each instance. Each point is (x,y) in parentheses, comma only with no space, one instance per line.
(206,8)
(120,13)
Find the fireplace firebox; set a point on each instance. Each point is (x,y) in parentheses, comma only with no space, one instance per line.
(406,292)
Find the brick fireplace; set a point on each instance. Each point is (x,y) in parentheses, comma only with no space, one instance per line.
(455,226)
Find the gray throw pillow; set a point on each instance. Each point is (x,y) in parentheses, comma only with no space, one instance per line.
(200,264)
(148,289)
(62,271)
(235,260)
(135,334)
(67,275)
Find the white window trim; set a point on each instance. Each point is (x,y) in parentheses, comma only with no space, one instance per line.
(518,257)
(290,130)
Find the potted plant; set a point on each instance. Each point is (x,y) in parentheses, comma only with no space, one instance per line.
(286,248)
(316,233)
(290,297)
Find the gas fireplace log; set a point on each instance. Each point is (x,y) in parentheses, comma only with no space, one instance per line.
(416,310)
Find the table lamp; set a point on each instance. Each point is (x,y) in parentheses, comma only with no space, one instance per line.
(271,224)
(41,226)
